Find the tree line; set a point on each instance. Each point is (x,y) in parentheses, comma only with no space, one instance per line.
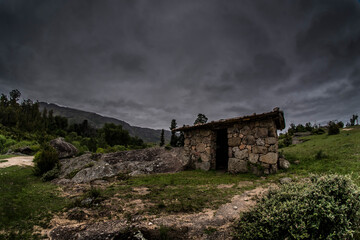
(24,120)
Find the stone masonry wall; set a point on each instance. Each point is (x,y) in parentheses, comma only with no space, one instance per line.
(200,146)
(253,148)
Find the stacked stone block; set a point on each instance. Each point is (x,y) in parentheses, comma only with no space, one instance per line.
(200,146)
(253,148)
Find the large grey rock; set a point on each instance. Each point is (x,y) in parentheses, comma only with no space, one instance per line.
(283,163)
(241,154)
(236,165)
(100,170)
(269,158)
(89,167)
(64,149)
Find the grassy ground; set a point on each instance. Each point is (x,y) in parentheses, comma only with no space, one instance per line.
(6,156)
(188,191)
(323,153)
(25,201)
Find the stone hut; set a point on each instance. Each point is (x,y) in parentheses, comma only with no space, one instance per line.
(238,145)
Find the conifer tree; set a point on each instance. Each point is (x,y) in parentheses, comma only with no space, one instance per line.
(174,138)
(201,119)
(162,138)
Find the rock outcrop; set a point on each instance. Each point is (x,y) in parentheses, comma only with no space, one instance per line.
(64,149)
(90,167)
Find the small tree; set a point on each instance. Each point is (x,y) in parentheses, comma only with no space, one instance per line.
(162,138)
(333,128)
(201,119)
(340,124)
(45,160)
(174,138)
(354,119)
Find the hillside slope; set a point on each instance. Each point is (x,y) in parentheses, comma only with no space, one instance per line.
(327,154)
(97,121)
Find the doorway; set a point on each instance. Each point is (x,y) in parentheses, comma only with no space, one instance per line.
(222,157)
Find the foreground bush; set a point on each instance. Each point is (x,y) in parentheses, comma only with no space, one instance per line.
(45,160)
(326,207)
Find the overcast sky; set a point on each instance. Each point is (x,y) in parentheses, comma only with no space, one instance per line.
(147,62)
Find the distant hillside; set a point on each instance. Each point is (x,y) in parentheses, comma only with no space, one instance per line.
(97,121)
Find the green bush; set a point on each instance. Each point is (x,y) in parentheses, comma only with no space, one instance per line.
(45,160)
(52,174)
(325,207)
(333,128)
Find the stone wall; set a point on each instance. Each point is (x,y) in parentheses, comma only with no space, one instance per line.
(253,148)
(200,146)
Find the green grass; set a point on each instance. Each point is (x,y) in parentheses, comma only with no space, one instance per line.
(25,201)
(6,156)
(327,154)
(188,191)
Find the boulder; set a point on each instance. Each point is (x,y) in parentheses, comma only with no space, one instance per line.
(25,150)
(285,180)
(64,149)
(283,163)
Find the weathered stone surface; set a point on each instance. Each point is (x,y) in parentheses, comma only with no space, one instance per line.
(241,154)
(230,153)
(271,140)
(64,149)
(186,141)
(234,142)
(270,158)
(242,146)
(253,158)
(203,166)
(205,157)
(249,140)
(144,161)
(255,170)
(283,163)
(259,149)
(273,168)
(200,147)
(272,132)
(285,180)
(208,150)
(206,133)
(24,150)
(236,165)
(260,142)
(272,148)
(245,130)
(261,132)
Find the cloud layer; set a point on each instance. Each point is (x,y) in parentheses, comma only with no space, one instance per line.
(146,62)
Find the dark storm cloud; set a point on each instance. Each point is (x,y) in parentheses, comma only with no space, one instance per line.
(147,62)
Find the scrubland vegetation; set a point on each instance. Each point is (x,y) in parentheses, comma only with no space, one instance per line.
(322,203)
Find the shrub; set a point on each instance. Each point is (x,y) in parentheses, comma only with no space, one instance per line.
(285,140)
(52,174)
(320,155)
(45,160)
(333,128)
(318,131)
(325,207)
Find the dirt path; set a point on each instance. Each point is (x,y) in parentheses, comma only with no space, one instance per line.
(21,161)
(207,224)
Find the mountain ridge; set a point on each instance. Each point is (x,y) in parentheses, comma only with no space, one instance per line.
(96,120)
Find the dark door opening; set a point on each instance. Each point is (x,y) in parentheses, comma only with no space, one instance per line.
(222,157)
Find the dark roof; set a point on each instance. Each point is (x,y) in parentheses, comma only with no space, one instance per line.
(276,115)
